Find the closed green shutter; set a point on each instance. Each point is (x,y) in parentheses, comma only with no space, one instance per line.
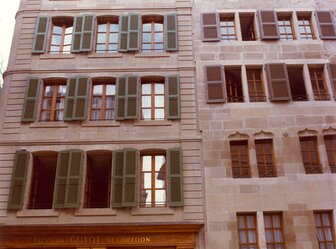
(173,97)
(171,32)
(123,33)
(31,100)
(82,38)
(120,98)
(41,33)
(175,177)
(130,178)
(77,34)
(19,177)
(133,32)
(117,178)
(131,103)
(61,178)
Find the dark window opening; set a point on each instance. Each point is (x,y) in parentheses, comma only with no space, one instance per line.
(240,159)
(247,27)
(255,85)
(319,85)
(43,181)
(297,84)
(265,158)
(330,144)
(234,88)
(310,156)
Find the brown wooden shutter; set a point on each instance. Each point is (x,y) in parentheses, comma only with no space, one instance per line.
(131,103)
(121,98)
(326,25)
(268,24)
(210,27)
(117,178)
(18,182)
(175,176)
(171,32)
(278,83)
(332,76)
(214,76)
(41,33)
(133,32)
(77,34)
(173,97)
(123,33)
(130,178)
(31,100)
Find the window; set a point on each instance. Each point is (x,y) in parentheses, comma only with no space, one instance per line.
(297,84)
(107,35)
(285,27)
(247,27)
(98,180)
(255,85)
(240,159)
(330,144)
(52,108)
(153,99)
(274,230)
(305,26)
(265,160)
(325,229)
(227,25)
(319,86)
(310,155)
(103,100)
(61,36)
(153,181)
(152,34)
(234,88)
(43,181)
(247,231)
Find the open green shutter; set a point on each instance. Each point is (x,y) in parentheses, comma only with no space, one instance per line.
(175,177)
(81,98)
(19,177)
(173,97)
(87,33)
(133,32)
(61,178)
(41,33)
(70,98)
(77,34)
(171,32)
(117,178)
(121,98)
(131,103)
(123,33)
(31,100)
(130,178)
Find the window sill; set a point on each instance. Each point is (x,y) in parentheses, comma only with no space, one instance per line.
(153,211)
(105,55)
(153,123)
(37,213)
(57,56)
(95,212)
(60,124)
(102,123)
(151,54)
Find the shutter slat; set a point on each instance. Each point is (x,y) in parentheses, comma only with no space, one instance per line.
(121,98)
(173,97)
(215,82)
(326,25)
(133,32)
(31,100)
(117,178)
(278,82)
(77,34)
(130,178)
(210,27)
(131,99)
(268,24)
(171,32)
(40,35)
(175,177)
(123,34)
(87,33)
(332,76)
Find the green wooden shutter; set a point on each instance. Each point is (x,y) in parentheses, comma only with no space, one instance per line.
(61,178)
(19,177)
(41,33)
(70,98)
(175,177)
(131,103)
(31,100)
(123,33)
(87,33)
(117,178)
(130,178)
(171,32)
(120,98)
(133,32)
(77,34)
(173,97)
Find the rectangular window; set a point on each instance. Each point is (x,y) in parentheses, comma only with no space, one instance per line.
(227,27)
(310,156)
(285,26)
(107,35)
(153,182)
(305,26)
(265,160)
(297,83)
(234,88)
(325,229)
(103,101)
(43,181)
(152,99)
(274,231)
(61,36)
(98,180)
(52,108)
(247,26)
(247,231)
(318,82)
(240,159)
(255,85)
(330,144)
(152,34)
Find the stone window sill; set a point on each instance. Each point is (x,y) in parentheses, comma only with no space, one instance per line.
(37,213)
(105,55)
(153,211)
(151,54)
(153,123)
(49,125)
(102,123)
(57,56)
(95,212)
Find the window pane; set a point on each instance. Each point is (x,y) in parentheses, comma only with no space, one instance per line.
(146,163)
(45,115)
(159,162)
(146,101)
(98,89)
(61,91)
(56,40)
(159,88)
(146,114)
(101,38)
(147,180)
(160,196)
(49,91)
(109,102)
(97,102)
(159,101)
(146,27)
(146,37)
(158,46)
(60,103)
(68,30)
(102,27)
(159,114)
(54,49)
(159,183)
(47,104)
(113,38)
(159,37)
(59,115)
(57,30)
(146,47)
(114,27)
(110,89)
(100,48)
(113,47)
(146,88)
(67,39)
(158,27)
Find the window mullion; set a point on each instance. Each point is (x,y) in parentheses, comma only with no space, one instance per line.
(53,103)
(103,97)
(153,101)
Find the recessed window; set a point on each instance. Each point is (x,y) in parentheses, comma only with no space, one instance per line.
(153,99)
(234,88)
(107,35)
(285,27)
(330,144)
(247,231)
(305,26)
(318,82)
(265,158)
(227,26)
(43,181)
(98,180)
(297,83)
(103,100)
(239,159)
(152,34)
(255,85)
(52,108)
(274,231)
(325,229)
(247,26)
(153,182)
(61,35)
(310,156)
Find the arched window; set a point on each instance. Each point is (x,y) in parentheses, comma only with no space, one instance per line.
(61,35)
(152,34)
(107,35)
(153,98)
